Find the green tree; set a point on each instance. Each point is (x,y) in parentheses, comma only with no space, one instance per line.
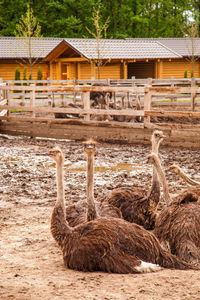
(128,18)
(17,74)
(192,43)
(99,32)
(27,28)
(39,76)
(17,77)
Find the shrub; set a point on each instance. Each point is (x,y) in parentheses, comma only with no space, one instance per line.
(17,74)
(17,77)
(39,76)
(25,75)
(185,74)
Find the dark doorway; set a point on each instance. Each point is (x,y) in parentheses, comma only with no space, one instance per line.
(141,69)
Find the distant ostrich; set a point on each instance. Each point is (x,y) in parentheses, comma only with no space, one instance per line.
(137,205)
(65,115)
(99,98)
(109,245)
(177,170)
(88,210)
(178,224)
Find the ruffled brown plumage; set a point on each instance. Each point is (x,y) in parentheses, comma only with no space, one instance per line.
(178,224)
(105,244)
(137,205)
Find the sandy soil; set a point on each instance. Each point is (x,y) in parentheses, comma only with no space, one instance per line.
(31,265)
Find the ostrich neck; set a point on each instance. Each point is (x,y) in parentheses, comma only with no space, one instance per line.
(59,226)
(60,186)
(154,192)
(186,178)
(163,180)
(155,148)
(91,213)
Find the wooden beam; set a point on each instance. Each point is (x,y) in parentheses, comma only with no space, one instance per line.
(71,59)
(125,70)
(86,110)
(172,114)
(59,71)
(79,70)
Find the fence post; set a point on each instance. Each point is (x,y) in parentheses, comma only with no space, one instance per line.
(7,96)
(133,80)
(48,93)
(86,104)
(193,94)
(172,86)
(32,99)
(147,100)
(74,94)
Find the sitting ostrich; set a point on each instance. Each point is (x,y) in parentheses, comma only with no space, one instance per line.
(105,244)
(177,170)
(88,210)
(99,98)
(178,224)
(65,115)
(137,205)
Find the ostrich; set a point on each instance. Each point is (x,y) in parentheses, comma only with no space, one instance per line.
(99,98)
(137,205)
(178,224)
(65,115)
(88,210)
(109,245)
(177,170)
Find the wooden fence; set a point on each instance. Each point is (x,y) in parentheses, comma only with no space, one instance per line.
(66,111)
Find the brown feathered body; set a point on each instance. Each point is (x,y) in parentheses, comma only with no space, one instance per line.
(109,245)
(179,226)
(105,244)
(77,213)
(135,205)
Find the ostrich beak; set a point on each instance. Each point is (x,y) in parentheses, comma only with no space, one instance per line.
(43,154)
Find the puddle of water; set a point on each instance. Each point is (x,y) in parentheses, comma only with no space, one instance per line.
(102,169)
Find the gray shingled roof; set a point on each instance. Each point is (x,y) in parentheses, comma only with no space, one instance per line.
(12,47)
(183,46)
(137,48)
(121,49)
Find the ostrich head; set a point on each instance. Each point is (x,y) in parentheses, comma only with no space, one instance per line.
(90,146)
(152,158)
(157,137)
(174,169)
(57,154)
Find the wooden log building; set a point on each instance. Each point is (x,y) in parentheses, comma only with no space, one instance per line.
(66,59)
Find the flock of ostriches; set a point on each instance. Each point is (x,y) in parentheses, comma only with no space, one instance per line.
(125,232)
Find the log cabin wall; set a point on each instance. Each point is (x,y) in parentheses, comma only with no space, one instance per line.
(87,71)
(74,70)
(84,71)
(53,71)
(114,70)
(7,70)
(110,70)
(176,68)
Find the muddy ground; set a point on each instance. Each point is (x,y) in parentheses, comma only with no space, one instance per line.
(31,265)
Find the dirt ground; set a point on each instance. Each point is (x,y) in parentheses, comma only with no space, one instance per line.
(31,265)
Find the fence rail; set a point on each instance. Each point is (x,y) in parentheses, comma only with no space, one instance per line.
(146,104)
